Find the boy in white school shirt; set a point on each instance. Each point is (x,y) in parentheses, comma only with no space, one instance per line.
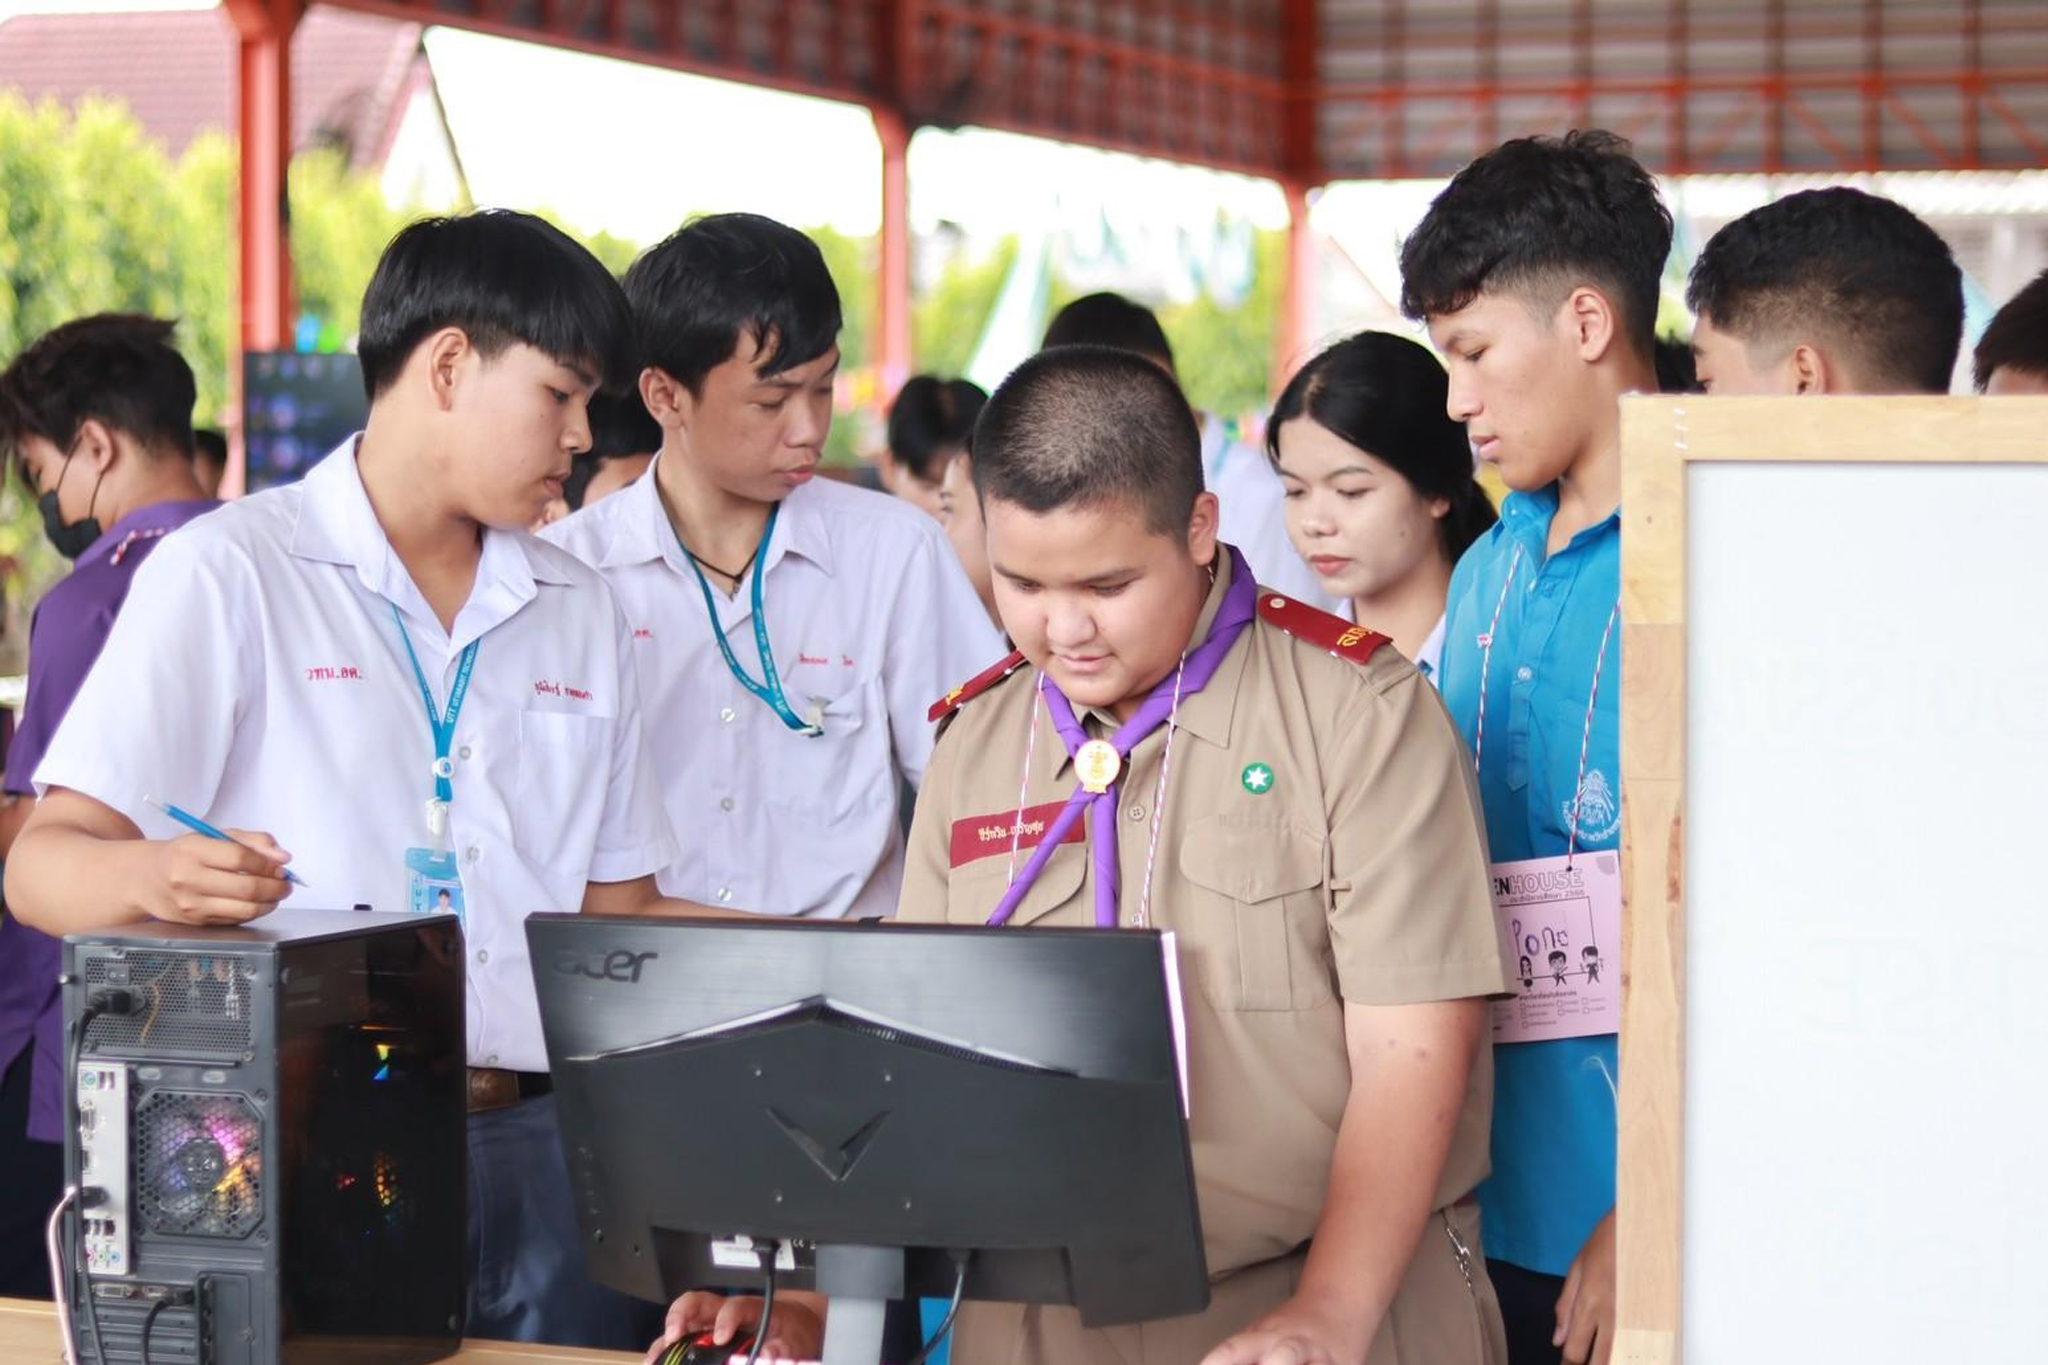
(790,631)
(417,696)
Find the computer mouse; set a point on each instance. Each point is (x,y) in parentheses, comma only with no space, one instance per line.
(702,1350)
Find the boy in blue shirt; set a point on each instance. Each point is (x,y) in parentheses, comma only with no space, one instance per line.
(1536,272)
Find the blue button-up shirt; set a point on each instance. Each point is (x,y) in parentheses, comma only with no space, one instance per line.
(1553,1110)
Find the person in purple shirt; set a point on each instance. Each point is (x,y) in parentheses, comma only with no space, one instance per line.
(98,414)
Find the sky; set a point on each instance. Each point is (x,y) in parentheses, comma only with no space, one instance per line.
(656,145)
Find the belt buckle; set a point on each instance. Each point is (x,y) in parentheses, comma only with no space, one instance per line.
(492,1088)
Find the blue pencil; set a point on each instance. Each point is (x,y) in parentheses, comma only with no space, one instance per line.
(199,826)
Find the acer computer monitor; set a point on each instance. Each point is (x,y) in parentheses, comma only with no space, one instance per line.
(897,1109)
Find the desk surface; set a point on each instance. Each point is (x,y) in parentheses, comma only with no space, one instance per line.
(28,1336)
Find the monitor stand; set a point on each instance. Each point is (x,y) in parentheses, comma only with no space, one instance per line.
(859,1281)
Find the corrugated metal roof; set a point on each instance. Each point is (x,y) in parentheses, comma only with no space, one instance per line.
(1317,90)
(1321,90)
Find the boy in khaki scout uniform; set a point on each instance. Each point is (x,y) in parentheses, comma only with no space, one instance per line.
(1287,796)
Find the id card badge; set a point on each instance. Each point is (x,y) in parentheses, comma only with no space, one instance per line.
(433,884)
(1560,919)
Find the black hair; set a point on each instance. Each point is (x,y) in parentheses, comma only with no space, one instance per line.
(1678,369)
(620,426)
(1559,956)
(1088,426)
(1387,395)
(726,276)
(117,368)
(1539,217)
(210,445)
(2017,338)
(930,421)
(1854,269)
(505,279)
(1109,320)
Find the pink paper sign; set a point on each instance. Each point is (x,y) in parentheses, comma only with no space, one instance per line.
(1560,920)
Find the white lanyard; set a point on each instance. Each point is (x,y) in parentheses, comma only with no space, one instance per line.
(1592,696)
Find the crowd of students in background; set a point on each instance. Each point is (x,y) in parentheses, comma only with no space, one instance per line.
(734,658)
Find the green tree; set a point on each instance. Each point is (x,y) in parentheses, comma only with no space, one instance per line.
(1225,355)
(95,217)
(340,225)
(947,319)
(205,187)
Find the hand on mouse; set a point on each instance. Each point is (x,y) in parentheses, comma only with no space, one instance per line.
(798,1332)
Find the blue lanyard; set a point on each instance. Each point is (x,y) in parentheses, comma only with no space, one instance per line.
(769,689)
(443,727)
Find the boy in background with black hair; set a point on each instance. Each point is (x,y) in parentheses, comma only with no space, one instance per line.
(2012,355)
(447,705)
(1537,273)
(930,423)
(788,631)
(209,459)
(623,439)
(97,414)
(1826,291)
(1242,478)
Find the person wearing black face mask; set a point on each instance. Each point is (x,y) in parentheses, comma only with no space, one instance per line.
(70,538)
(98,417)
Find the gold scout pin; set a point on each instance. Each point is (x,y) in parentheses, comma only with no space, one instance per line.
(1097,763)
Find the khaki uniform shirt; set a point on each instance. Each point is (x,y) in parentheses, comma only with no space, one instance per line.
(1320,842)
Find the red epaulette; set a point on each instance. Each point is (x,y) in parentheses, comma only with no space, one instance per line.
(1319,628)
(974,687)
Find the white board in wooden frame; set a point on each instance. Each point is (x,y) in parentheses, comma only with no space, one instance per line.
(1663,439)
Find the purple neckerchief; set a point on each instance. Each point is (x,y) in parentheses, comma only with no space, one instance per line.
(1240,605)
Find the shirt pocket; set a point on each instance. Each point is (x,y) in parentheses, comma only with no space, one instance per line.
(974,891)
(1254,915)
(829,778)
(565,764)
(1562,734)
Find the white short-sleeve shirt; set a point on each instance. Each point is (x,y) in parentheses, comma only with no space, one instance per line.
(1250,498)
(870,619)
(256,677)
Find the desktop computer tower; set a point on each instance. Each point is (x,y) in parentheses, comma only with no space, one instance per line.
(266,1125)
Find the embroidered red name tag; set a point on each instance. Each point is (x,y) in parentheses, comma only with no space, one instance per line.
(986,836)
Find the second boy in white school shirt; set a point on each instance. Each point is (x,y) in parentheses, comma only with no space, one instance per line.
(866,612)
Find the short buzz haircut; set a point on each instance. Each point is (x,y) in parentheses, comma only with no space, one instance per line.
(1854,271)
(505,279)
(725,277)
(119,369)
(1537,218)
(1109,320)
(2017,338)
(1090,427)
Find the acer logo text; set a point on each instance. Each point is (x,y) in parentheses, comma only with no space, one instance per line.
(617,965)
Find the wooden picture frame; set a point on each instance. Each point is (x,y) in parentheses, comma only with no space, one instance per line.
(1662,437)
